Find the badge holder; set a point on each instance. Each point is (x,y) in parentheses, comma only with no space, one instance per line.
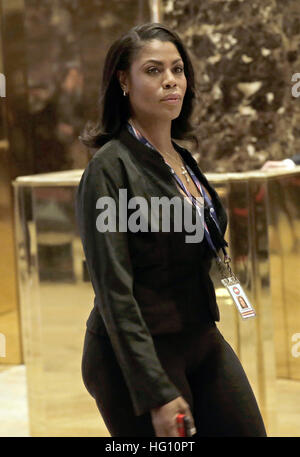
(232,284)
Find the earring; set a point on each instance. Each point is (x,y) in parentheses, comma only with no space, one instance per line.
(124,93)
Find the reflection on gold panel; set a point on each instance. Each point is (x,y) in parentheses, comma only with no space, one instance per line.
(56,297)
(10,335)
(246,201)
(10,338)
(284,233)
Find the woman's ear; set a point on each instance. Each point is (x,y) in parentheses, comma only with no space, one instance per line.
(122,77)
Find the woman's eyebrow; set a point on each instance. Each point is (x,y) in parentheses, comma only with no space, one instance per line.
(159,62)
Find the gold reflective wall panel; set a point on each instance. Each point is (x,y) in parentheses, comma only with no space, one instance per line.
(10,332)
(56,294)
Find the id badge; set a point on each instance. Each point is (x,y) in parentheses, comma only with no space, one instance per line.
(239,297)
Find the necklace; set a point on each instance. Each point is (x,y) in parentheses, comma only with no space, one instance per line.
(184,171)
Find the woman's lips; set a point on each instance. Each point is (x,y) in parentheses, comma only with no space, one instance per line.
(172,101)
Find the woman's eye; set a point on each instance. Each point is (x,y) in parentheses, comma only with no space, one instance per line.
(152,70)
(156,70)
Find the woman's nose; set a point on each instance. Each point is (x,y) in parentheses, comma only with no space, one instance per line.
(169,80)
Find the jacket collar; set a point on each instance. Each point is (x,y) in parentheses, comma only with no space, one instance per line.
(147,156)
(152,158)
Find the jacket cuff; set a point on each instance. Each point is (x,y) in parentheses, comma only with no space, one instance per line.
(162,394)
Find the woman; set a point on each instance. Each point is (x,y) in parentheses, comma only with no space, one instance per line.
(152,349)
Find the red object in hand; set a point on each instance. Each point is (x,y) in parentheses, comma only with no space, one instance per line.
(181,424)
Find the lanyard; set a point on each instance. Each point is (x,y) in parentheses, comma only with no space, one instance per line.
(210,207)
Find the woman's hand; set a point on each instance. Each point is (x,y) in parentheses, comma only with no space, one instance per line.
(164,417)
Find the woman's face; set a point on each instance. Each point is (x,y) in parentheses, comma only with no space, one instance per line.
(156,72)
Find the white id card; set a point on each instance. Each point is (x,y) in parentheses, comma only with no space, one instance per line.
(239,297)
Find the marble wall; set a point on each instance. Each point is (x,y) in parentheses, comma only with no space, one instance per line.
(244,53)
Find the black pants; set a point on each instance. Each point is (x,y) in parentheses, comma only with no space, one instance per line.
(201,364)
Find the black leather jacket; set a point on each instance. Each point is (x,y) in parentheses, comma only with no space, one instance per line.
(145,283)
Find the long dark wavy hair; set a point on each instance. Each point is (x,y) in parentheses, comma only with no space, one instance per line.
(114,108)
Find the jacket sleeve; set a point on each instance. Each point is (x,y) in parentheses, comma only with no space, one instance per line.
(108,262)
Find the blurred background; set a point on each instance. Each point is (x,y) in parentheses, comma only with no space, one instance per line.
(245,54)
